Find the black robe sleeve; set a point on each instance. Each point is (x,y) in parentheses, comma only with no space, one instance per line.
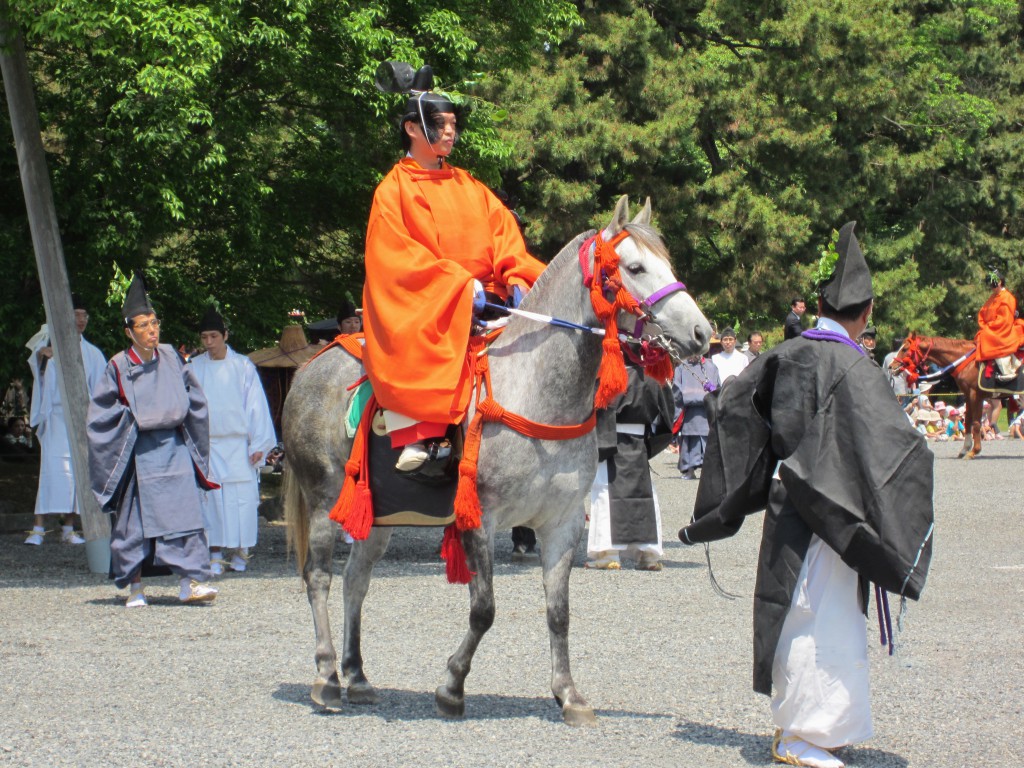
(738,459)
(857,474)
(861,479)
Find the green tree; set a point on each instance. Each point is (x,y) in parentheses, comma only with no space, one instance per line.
(230,148)
(758,128)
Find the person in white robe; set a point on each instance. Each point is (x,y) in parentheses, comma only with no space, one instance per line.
(241,435)
(56,493)
(730,361)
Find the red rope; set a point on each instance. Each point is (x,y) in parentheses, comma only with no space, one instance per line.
(467,499)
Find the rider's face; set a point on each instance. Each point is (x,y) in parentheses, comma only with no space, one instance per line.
(442,125)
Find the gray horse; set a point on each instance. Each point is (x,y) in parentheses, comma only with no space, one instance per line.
(544,373)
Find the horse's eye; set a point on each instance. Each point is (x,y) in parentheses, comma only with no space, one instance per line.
(635,269)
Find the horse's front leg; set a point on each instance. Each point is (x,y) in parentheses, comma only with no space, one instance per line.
(358,571)
(558,546)
(450,697)
(972,436)
(317,574)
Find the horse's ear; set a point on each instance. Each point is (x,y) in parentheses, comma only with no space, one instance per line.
(619,218)
(644,217)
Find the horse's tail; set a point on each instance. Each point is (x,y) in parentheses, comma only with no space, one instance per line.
(296,515)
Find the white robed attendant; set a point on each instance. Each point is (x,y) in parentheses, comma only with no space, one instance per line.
(240,429)
(56,493)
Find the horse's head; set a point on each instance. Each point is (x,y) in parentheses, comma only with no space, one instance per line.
(910,358)
(646,273)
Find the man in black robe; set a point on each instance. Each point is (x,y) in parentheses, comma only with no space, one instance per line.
(813,434)
(624,512)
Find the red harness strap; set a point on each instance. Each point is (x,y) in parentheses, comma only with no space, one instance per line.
(467,500)
(347,341)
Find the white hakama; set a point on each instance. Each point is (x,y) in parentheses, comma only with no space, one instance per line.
(820,674)
(240,425)
(599,535)
(56,494)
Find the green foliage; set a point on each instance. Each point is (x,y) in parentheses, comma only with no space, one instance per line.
(827,262)
(230,148)
(758,129)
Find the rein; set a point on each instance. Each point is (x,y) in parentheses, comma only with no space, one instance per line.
(910,362)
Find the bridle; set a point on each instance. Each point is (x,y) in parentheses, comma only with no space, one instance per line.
(606,280)
(912,358)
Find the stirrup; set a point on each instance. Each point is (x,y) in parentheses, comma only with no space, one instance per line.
(437,468)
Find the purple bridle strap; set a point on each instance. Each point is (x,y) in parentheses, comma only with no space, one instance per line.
(646,304)
(650,301)
(657,296)
(817,334)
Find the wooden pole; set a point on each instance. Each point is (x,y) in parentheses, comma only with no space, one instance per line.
(53,275)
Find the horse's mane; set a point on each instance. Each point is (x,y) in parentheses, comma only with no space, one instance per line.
(946,342)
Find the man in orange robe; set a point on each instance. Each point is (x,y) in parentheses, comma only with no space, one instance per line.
(436,240)
(1000,331)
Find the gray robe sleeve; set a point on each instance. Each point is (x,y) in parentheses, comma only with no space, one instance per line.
(112,433)
(196,427)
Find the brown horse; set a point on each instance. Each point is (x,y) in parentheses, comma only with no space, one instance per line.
(917,350)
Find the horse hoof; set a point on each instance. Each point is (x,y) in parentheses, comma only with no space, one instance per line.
(327,694)
(362,694)
(448,705)
(577,715)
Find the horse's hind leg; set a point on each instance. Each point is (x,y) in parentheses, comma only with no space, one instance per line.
(557,550)
(358,571)
(450,697)
(317,575)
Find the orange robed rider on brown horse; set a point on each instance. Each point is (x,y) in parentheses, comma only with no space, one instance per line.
(1000,331)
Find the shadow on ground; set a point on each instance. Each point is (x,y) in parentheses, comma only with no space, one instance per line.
(755,748)
(403,705)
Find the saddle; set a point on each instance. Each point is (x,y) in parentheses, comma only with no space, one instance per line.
(988,380)
(425,497)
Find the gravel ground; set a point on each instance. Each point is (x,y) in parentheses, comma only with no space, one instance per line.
(665,662)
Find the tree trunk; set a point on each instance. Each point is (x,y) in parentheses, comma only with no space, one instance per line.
(53,276)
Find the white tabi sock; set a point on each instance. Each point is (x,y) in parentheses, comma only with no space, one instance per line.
(791,749)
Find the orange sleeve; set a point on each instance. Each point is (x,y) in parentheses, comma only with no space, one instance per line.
(513,265)
(1000,333)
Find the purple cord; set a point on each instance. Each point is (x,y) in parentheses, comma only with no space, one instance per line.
(884,619)
(819,334)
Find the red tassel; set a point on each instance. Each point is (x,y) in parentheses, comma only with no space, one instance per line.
(454,556)
(612,373)
(467,500)
(660,370)
(360,517)
(341,508)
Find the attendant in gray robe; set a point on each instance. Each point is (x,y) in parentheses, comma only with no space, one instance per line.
(691,382)
(149,450)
